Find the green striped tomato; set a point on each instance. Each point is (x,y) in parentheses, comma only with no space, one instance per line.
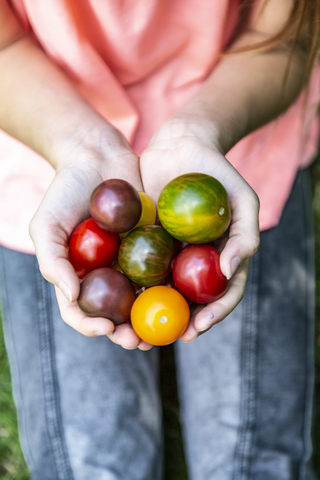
(146,255)
(194,208)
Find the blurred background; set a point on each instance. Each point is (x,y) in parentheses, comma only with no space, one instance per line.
(12,465)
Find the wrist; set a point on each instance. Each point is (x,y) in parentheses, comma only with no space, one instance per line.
(191,127)
(218,124)
(93,143)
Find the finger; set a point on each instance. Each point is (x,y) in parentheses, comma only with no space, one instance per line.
(65,205)
(144,346)
(50,242)
(125,336)
(215,312)
(244,237)
(191,333)
(122,335)
(75,318)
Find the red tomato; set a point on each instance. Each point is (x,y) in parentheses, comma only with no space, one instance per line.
(160,315)
(90,247)
(197,274)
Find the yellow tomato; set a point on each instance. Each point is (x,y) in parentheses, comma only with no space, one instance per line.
(148,214)
(160,315)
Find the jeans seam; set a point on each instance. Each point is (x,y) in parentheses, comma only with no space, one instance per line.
(51,391)
(25,445)
(248,394)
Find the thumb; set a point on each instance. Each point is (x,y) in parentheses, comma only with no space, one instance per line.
(244,236)
(50,242)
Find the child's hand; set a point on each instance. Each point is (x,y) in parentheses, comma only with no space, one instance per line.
(182,146)
(64,206)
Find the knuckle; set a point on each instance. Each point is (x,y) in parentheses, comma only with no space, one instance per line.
(255,242)
(242,292)
(86,328)
(251,247)
(252,199)
(33,228)
(44,270)
(256,200)
(64,316)
(88,333)
(80,327)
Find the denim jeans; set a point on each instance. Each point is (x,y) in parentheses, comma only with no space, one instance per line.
(90,410)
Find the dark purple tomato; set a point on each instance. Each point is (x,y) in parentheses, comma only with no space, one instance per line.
(105,292)
(115,205)
(92,247)
(146,254)
(197,275)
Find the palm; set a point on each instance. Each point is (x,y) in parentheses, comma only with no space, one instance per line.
(170,156)
(65,205)
(162,162)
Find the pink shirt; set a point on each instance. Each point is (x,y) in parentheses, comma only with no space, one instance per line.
(136,62)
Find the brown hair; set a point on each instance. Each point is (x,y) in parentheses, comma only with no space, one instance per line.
(301,30)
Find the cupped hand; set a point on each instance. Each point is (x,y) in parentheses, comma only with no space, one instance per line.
(180,146)
(66,204)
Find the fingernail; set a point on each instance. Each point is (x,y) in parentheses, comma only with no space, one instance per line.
(232,267)
(189,336)
(188,340)
(100,334)
(66,291)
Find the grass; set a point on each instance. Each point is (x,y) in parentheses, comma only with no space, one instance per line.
(12,465)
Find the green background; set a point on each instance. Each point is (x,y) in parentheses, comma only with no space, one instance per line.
(12,465)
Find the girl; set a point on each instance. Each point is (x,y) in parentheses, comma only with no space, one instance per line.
(143,91)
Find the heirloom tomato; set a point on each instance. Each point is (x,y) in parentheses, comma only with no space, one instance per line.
(105,292)
(194,208)
(160,315)
(117,267)
(146,254)
(92,247)
(197,275)
(148,215)
(115,205)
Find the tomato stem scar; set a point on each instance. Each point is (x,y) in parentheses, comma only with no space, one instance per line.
(163,319)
